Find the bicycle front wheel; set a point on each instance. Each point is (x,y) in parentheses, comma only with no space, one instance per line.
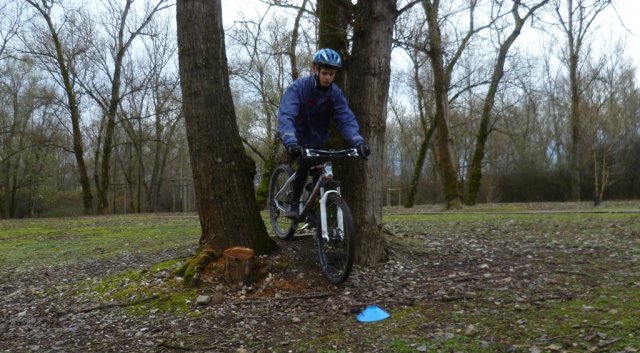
(336,253)
(283,227)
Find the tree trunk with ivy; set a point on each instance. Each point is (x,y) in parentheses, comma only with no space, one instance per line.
(474,176)
(428,129)
(441,83)
(222,172)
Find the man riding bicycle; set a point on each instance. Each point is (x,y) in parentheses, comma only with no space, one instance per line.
(306,110)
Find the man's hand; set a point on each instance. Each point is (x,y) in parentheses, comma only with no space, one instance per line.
(294,150)
(363,150)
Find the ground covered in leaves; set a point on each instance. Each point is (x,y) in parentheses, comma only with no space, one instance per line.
(493,278)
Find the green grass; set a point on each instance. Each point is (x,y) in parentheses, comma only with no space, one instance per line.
(41,242)
(56,242)
(143,292)
(605,321)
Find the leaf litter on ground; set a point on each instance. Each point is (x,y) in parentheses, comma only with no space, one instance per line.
(481,281)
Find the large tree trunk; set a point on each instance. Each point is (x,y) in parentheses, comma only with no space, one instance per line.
(368,87)
(335,16)
(222,172)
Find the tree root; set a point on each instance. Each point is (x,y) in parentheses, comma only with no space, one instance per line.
(192,270)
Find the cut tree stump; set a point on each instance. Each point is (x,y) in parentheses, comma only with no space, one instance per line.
(239,266)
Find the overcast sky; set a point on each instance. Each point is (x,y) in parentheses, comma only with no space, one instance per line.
(628,11)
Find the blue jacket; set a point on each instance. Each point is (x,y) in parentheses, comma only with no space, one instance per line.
(306,110)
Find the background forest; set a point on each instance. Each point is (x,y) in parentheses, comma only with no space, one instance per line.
(91,122)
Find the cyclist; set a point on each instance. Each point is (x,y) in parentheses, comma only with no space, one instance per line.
(306,110)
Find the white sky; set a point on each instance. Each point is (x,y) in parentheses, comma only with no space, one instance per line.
(232,8)
(628,11)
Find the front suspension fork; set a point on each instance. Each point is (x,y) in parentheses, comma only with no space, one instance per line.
(323,213)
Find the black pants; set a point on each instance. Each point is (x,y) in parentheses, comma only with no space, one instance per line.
(304,166)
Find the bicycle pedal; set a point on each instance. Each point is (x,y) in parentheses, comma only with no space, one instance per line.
(304,226)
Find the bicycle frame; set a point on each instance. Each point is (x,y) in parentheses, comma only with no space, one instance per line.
(319,187)
(335,232)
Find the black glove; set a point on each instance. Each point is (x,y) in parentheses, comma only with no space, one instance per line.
(363,150)
(294,150)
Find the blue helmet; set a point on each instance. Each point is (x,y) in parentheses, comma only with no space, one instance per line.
(328,57)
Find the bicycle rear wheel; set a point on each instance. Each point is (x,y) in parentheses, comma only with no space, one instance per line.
(336,253)
(283,227)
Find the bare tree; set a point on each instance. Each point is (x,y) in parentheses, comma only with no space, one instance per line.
(604,118)
(17,108)
(475,169)
(150,114)
(123,25)
(442,71)
(575,19)
(222,172)
(264,63)
(413,41)
(11,20)
(24,139)
(60,61)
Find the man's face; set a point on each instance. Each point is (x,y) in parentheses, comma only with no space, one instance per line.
(326,76)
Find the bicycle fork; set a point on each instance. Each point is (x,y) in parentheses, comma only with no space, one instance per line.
(323,213)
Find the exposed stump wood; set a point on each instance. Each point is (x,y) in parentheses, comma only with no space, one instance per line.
(239,266)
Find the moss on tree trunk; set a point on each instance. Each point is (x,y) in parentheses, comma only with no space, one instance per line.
(192,270)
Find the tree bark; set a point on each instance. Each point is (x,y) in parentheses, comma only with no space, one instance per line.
(441,81)
(575,150)
(365,81)
(428,129)
(335,17)
(368,88)
(239,266)
(222,172)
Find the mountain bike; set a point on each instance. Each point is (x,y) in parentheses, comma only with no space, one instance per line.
(335,234)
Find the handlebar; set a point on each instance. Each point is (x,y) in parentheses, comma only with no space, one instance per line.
(310,152)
